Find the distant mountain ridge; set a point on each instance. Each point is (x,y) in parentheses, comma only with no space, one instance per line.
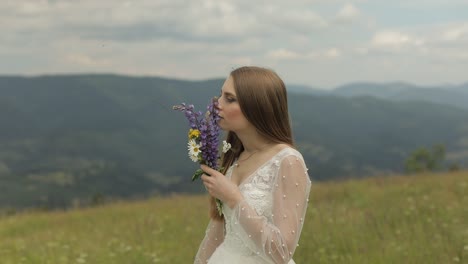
(455,95)
(72,137)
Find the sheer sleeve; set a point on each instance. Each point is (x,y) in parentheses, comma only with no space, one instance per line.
(275,238)
(214,236)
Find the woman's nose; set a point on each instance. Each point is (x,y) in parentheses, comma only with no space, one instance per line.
(218,105)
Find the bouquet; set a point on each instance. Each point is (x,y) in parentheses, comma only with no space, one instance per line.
(203,138)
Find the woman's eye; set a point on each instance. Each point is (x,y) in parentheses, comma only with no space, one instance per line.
(230,99)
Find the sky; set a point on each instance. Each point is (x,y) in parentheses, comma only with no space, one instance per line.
(319,43)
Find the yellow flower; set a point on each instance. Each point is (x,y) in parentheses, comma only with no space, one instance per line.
(193,133)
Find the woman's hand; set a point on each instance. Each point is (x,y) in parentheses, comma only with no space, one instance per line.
(220,186)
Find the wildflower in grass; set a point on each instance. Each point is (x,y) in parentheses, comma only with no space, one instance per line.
(81,258)
(203,137)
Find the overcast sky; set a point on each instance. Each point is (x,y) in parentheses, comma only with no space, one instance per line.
(320,43)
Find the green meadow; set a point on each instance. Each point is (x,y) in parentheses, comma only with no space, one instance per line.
(393,219)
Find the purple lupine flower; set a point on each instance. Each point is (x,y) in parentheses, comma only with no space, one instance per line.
(207,125)
(206,136)
(212,134)
(190,114)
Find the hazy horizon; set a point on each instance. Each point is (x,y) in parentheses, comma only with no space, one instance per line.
(312,86)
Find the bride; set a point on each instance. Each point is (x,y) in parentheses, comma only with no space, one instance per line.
(265,188)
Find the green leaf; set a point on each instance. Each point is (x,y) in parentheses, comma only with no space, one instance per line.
(197,174)
(219,207)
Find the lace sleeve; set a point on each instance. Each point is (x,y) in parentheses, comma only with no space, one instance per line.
(275,238)
(214,236)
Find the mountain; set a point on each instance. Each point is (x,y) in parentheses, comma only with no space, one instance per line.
(386,91)
(463,88)
(304,89)
(399,91)
(74,138)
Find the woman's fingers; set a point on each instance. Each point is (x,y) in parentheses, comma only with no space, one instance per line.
(209,183)
(206,180)
(208,170)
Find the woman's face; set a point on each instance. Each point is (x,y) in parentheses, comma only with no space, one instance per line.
(232,118)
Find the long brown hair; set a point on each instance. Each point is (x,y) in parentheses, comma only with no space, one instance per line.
(263,101)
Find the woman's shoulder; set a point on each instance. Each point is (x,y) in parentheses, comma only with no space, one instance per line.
(284,150)
(288,157)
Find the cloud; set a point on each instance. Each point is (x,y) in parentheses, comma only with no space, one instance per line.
(221,18)
(394,41)
(285,54)
(243,60)
(298,20)
(448,42)
(204,20)
(433,3)
(332,53)
(85,60)
(175,37)
(444,43)
(456,33)
(327,54)
(347,13)
(282,54)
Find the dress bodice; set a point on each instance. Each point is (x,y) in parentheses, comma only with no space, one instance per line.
(265,226)
(257,191)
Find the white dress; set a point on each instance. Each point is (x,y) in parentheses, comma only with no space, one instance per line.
(266,225)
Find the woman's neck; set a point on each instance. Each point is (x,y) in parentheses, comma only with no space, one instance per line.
(253,141)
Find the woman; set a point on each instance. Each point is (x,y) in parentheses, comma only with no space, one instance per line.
(266,186)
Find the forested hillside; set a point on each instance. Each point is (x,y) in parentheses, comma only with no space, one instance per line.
(82,137)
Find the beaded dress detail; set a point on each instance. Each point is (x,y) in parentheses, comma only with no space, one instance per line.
(266,225)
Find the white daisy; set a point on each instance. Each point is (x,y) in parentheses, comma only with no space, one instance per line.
(194,150)
(226,146)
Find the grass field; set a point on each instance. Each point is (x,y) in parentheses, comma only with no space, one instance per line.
(397,219)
